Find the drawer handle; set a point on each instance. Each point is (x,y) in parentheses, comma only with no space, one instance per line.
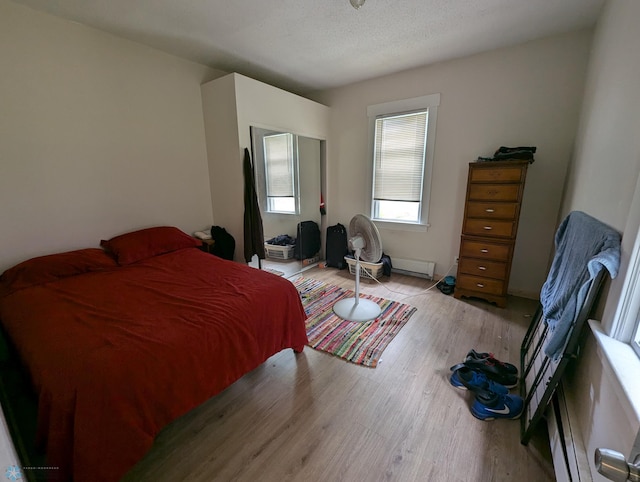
(484,250)
(488,228)
(489,210)
(479,285)
(482,268)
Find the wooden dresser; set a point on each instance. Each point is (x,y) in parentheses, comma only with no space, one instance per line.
(491,213)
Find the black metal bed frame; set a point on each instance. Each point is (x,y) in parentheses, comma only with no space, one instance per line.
(540,375)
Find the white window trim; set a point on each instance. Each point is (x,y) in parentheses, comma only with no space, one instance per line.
(430,102)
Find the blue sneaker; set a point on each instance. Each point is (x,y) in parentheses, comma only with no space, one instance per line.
(489,406)
(465,378)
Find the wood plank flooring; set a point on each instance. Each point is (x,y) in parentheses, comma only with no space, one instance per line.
(315,417)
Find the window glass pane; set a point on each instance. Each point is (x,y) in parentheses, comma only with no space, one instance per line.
(397,211)
(281,204)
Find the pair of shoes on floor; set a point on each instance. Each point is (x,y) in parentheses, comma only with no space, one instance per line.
(489,379)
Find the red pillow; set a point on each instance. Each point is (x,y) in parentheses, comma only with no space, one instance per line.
(132,247)
(43,269)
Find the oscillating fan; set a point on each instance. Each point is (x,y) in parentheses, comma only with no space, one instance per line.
(364,239)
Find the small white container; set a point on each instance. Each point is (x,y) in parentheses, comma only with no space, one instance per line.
(279,252)
(367,270)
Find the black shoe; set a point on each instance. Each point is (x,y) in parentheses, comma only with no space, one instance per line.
(488,357)
(476,381)
(493,372)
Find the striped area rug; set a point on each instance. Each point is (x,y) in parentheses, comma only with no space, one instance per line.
(356,342)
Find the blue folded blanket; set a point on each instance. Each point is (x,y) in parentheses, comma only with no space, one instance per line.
(584,246)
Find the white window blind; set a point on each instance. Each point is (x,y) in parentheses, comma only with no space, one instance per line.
(279,165)
(399,157)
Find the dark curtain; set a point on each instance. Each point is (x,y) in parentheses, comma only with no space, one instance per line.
(253,235)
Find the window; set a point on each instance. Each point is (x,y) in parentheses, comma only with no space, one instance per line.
(403,134)
(628,315)
(281,174)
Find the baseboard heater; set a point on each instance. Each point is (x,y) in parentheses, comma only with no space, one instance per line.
(412,267)
(570,458)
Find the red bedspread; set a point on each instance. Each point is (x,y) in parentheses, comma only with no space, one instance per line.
(117,354)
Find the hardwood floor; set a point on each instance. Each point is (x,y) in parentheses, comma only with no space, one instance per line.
(315,417)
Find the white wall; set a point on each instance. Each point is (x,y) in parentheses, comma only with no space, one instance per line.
(525,95)
(603,181)
(98,136)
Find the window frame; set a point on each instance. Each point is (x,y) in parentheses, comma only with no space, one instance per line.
(427,103)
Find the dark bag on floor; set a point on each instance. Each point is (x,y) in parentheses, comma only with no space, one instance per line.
(307,240)
(225,244)
(337,246)
(386,265)
(447,285)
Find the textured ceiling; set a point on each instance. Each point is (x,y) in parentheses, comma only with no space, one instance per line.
(307,45)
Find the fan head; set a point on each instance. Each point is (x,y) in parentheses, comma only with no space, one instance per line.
(364,235)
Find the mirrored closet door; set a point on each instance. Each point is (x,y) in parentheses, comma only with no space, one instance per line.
(288,185)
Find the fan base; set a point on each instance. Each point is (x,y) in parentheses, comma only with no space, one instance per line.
(364,310)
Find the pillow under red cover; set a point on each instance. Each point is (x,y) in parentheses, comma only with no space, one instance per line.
(43,269)
(146,243)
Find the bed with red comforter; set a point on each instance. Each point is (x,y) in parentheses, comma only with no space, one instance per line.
(119,342)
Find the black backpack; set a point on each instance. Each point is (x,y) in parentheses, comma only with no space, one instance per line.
(225,244)
(307,240)
(337,246)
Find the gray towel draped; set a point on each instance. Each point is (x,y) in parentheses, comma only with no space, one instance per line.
(584,246)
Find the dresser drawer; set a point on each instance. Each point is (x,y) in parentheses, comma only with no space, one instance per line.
(497,174)
(492,210)
(480,284)
(489,227)
(482,249)
(494,192)
(484,268)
